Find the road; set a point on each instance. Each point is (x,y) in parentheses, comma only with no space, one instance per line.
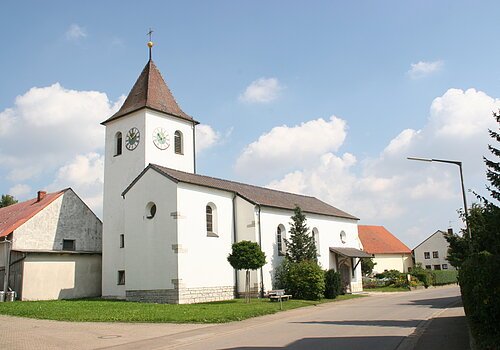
(381,321)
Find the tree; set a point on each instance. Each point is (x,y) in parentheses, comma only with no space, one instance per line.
(247,256)
(7,200)
(367,266)
(493,171)
(301,246)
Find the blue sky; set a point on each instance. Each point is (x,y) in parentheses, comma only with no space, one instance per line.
(400,78)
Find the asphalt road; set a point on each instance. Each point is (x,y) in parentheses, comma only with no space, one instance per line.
(382,321)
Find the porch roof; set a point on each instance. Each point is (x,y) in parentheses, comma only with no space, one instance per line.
(350,252)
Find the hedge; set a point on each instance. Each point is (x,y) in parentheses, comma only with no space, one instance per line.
(441,277)
(333,284)
(479,283)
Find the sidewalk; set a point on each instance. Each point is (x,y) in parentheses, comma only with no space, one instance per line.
(448,330)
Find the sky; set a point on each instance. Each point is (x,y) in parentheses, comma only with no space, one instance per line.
(324,98)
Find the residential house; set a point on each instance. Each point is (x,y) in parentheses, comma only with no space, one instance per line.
(432,252)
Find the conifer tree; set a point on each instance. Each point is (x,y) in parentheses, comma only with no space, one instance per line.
(493,171)
(301,246)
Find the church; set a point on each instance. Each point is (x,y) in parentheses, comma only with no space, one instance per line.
(167,230)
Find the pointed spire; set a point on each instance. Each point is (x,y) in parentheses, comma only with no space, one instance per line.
(150,91)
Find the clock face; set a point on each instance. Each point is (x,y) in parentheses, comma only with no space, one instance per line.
(161,138)
(132,139)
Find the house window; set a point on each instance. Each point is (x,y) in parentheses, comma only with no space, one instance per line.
(118,143)
(315,233)
(343,237)
(427,255)
(437,267)
(121,277)
(178,144)
(150,210)
(69,244)
(122,240)
(280,240)
(445,266)
(435,254)
(211,218)
(427,267)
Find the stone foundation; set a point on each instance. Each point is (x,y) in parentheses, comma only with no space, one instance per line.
(161,296)
(182,295)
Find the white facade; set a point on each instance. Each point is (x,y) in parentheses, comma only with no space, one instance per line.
(387,262)
(432,252)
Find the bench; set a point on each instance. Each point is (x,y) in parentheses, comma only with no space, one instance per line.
(278,295)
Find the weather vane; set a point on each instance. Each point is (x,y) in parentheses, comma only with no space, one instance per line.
(150,42)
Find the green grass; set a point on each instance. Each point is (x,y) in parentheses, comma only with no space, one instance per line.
(97,310)
(387,289)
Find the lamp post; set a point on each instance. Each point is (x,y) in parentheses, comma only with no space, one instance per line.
(456,162)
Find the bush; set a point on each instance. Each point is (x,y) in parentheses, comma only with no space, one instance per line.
(423,275)
(333,284)
(441,277)
(480,289)
(392,275)
(304,280)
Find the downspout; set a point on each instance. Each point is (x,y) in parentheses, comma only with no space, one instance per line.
(235,237)
(7,264)
(261,270)
(194,148)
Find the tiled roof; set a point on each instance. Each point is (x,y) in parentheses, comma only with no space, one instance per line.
(15,215)
(257,195)
(151,91)
(377,240)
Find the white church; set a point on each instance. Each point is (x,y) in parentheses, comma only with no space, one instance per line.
(167,231)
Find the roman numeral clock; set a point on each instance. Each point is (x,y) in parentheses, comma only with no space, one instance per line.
(132,139)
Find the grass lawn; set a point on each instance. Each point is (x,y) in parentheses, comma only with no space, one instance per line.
(385,289)
(97,310)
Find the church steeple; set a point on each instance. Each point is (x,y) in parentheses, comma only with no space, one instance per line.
(151,91)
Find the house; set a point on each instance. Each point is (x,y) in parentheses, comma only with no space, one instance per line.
(52,244)
(432,252)
(168,230)
(389,253)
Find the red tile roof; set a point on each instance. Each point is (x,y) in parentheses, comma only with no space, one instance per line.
(377,240)
(15,215)
(258,195)
(151,91)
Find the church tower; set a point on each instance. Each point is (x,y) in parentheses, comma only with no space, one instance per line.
(150,127)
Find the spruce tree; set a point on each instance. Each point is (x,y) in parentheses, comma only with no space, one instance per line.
(493,171)
(301,246)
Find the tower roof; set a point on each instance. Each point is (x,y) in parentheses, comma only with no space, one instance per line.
(150,91)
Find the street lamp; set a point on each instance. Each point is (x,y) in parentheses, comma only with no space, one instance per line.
(456,162)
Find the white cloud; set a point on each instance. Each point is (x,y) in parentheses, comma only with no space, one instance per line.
(206,137)
(423,69)
(411,199)
(262,90)
(20,191)
(75,32)
(285,148)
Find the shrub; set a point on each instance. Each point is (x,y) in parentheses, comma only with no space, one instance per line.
(333,284)
(423,275)
(304,280)
(441,277)
(480,289)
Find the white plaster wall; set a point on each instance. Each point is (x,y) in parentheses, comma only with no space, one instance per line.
(67,217)
(48,276)
(399,262)
(203,260)
(329,229)
(438,243)
(150,261)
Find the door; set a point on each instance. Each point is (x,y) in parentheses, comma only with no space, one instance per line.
(345,274)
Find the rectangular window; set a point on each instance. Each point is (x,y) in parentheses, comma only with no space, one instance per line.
(122,240)
(121,277)
(437,267)
(445,266)
(427,267)
(435,254)
(427,255)
(69,244)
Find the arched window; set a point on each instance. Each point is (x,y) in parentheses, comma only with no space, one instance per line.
(118,143)
(280,240)
(178,146)
(316,240)
(150,210)
(211,217)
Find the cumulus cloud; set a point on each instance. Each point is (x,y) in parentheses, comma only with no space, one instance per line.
(75,32)
(284,148)
(262,90)
(206,137)
(412,199)
(422,69)
(20,191)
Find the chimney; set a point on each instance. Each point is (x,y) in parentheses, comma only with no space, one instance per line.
(41,195)
(450,231)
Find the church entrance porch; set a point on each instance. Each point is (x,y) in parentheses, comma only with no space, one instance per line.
(347,261)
